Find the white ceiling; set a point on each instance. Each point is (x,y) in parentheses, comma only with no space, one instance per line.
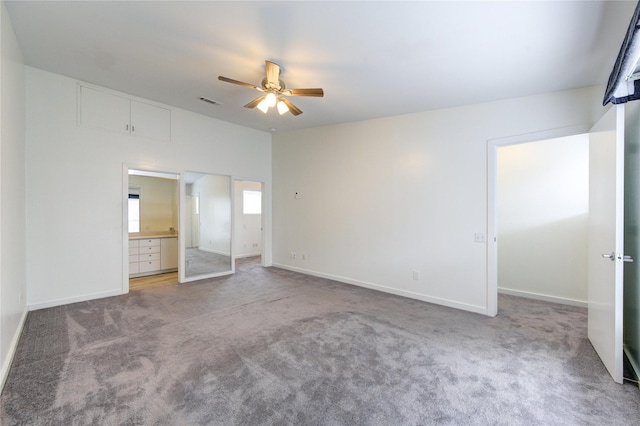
(373,59)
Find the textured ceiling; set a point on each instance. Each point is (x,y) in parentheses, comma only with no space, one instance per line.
(373,59)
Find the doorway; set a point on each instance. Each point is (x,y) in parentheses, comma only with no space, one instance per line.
(521,230)
(152,228)
(248,219)
(542,213)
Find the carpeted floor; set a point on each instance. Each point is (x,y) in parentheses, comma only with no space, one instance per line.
(272,347)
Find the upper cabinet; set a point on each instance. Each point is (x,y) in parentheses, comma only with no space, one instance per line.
(117,113)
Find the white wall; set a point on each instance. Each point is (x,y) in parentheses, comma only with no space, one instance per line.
(381,199)
(543,207)
(80,256)
(247,227)
(12,198)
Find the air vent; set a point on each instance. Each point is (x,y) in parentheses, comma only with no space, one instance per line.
(210,101)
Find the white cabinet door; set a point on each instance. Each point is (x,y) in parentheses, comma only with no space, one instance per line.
(150,121)
(104,110)
(169,253)
(120,114)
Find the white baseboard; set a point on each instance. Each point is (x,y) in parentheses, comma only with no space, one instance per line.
(6,365)
(208,250)
(409,294)
(84,298)
(240,256)
(543,297)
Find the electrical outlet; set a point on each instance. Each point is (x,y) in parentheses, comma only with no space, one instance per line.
(416,275)
(480,237)
(292,255)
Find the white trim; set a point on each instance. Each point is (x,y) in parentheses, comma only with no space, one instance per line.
(76,299)
(6,366)
(221,253)
(492,199)
(241,256)
(182,226)
(409,294)
(125,229)
(543,297)
(232,243)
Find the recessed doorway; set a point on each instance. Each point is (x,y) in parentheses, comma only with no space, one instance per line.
(152,225)
(248,219)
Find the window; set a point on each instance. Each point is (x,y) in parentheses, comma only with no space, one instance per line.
(134,209)
(251,201)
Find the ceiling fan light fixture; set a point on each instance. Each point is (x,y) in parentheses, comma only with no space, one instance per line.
(282,108)
(262,106)
(271,99)
(274,92)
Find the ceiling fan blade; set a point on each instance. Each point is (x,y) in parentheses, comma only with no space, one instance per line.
(239,83)
(304,92)
(292,108)
(273,73)
(254,103)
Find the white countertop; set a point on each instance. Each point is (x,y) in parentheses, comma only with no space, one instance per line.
(148,235)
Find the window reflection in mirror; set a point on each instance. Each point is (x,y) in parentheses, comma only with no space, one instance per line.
(207,236)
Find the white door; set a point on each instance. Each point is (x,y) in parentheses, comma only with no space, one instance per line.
(606,245)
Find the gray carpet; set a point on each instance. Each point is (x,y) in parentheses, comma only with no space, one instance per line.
(268,346)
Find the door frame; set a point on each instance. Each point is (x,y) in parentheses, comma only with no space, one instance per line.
(492,198)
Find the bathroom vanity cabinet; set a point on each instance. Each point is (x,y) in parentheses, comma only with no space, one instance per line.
(150,256)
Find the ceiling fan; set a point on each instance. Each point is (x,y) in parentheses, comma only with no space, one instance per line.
(274,92)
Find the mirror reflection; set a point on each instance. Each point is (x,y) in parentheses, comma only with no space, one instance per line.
(207,236)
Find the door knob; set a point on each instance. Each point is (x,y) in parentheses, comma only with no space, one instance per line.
(611,256)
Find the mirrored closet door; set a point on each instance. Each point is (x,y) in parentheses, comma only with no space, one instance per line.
(207,233)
